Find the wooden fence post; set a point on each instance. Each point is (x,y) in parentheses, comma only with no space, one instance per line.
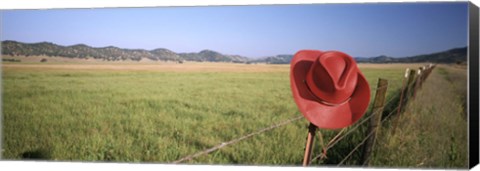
(309,146)
(410,82)
(375,121)
(430,68)
(422,76)
(426,70)
(418,81)
(400,102)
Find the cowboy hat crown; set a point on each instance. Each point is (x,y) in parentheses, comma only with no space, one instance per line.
(328,88)
(332,77)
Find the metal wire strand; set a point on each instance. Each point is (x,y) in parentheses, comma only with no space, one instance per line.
(329,145)
(379,88)
(223,144)
(337,138)
(324,149)
(356,147)
(370,134)
(363,141)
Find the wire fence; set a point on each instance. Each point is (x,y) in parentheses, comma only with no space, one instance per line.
(336,139)
(413,82)
(363,141)
(223,144)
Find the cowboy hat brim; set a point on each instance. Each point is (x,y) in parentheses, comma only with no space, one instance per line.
(323,115)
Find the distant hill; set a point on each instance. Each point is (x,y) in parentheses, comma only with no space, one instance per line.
(456,55)
(112,53)
(377,59)
(212,56)
(279,59)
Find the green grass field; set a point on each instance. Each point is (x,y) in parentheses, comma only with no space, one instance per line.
(433,129)
(161,113)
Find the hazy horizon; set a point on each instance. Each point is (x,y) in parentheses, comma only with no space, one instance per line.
(227,53)
(360,30)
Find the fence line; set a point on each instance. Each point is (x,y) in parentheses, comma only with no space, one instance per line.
(337,138)
(409,88)
(417,81)
(356,147)
(379,88)
(236,140)
(357,125)
(212,149)
(363,141)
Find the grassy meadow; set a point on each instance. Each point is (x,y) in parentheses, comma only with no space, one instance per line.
(127,112)
(432,131)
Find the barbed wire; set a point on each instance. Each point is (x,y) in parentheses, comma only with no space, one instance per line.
(329,145)
(337,138)
(390,114)
(379,88)
(356,147)
(223,144)
(365,120)
(363,141)
(324,150)
(409,86)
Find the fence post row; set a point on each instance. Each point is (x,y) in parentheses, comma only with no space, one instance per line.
(377,110)
(413,80)
(375,118)
(423,73)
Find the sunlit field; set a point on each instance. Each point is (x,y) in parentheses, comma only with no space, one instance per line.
(432,131)
(159,113)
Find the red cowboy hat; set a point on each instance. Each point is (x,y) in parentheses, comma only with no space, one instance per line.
(328,88)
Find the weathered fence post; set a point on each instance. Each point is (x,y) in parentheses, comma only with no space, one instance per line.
(426,70)
(375,121)
(430,68)
(410,82)
(309,146)
(418,81)
(400,102)
(422,76)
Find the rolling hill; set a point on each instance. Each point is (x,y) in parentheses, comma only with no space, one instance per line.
(111,53)
(456,55)
(279,59)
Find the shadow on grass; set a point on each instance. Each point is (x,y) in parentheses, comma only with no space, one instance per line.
(38,154)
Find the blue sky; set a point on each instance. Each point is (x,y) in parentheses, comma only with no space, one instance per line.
(394,29)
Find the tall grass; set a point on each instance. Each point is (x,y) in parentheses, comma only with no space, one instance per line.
(432,132)
(159,116)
